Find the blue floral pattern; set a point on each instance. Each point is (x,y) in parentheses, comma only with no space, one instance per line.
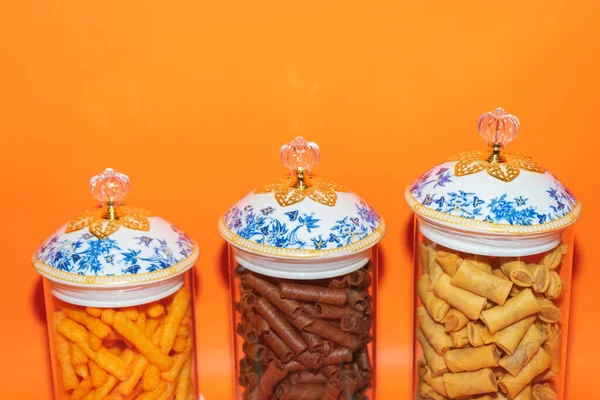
(557,200)
(296,229)
(85,254)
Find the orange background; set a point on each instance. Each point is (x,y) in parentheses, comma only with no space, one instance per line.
(192,99)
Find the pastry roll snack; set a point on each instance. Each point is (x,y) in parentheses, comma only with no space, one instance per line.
(517,272)
(528,347)
(436,307)
(470,383)
(455,320)
(434,332)
(466,302)
(513,385)
(515,309)
(472,358)
(435,361)
(485,284)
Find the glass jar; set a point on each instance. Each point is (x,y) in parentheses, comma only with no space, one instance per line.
(303,274)
(118,288)
(493,263)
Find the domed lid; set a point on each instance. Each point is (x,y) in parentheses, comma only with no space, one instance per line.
(301,216)
(113,244)
(494,191)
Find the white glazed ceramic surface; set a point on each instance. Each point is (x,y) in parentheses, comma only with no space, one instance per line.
(533,202)
(125,257)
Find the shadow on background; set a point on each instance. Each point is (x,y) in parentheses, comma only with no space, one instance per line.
(224,264)
(39,308)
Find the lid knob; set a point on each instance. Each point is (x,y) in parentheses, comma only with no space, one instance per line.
(498,128)
(110,188)
(300,155)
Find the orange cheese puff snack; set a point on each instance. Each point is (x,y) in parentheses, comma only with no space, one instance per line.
(141,322)
(151,325)
(104,358)
(169,390)
(98,375)
(153,394)
(67,372)
(131,312)
(183,330)
(85,386)
(94,341)
(115,350)
(139,365)
(144,345)
(151,378)
(114,396)
(183,383)
(107,316)
(94,325)
(82,371)
(181,301)
(180,344)
(171,375)
(94,311)
(90,395)
(127,356)
(191,395)
(77,356)
(157,335)
(105,389)
(155,310)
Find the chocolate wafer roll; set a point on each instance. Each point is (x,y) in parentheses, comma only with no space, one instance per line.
(351,323)
(362,359)
(307,377)
(349,384)
(280,325)
(246,303)
(273,294)
(339,283)
(294,366)
(327,348)
(315,343)
(248,380)
(314,294)
(359,279)
(339,355)
(306,391)
(310,359)
(332,371)
(333,389)
(267,384)
(257,322)
(278,346)
(255,351)
(359,300)
(247,331)
(364,379)
(329,312)
(336,335)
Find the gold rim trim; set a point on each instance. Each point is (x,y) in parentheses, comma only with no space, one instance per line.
(434,215)
(155,276)
(264,249)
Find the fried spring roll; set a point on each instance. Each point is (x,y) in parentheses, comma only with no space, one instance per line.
(553,258)
(549,311)
(541,277)
(553,345)
(513,385)
(434,360)
(437,383)
(434,332)
(544,391)
(524,394)
(482,283)
(509,338)
(428,392)
(556,286)
(455,320)
(448,261)
(518,272)
(515,309)
(424,257)
(472,358)
(466,302)
(481,262)
(460,338)
(527,349)
(470,383)
(436,307)
(479,335)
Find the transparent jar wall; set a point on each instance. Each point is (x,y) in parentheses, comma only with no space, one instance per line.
(304,339)
(468,346)
(141,352)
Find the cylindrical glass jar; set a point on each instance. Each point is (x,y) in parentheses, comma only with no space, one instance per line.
(118,289)
(303,280)
(493,264)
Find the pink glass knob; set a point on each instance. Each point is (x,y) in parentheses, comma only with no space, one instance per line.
(497,127)
(109,186)
(300,155)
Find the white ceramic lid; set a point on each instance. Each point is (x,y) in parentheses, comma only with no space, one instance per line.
(494,192)
(113,248)
(301,226)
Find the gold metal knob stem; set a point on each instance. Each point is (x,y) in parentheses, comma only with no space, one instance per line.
(496,156)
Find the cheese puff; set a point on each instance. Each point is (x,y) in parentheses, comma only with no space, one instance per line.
(107,316)
(82,371)
(114,396)
(94,341)
(96,326)
(144,345)
(155,310)
(156,335)
(155,393)
(98,375)
(180,344)
(115,350)
(77,356)
(136,392)
(191,394)
(172,374)
(173,319)
(183,383)
(169,390)
(105,389)
(151,325)
(85,386)
(94,311)
(127,356)
(183,331)
(141,322)
(131,312)
(67,372)
(90,395)
(151,378)
(139,365)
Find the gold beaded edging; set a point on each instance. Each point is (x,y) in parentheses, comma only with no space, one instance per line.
(254,247)
(431,214)
(69,277)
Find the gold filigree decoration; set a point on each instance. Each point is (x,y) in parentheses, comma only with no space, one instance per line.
(472,162)
(102,227)
(290,190)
